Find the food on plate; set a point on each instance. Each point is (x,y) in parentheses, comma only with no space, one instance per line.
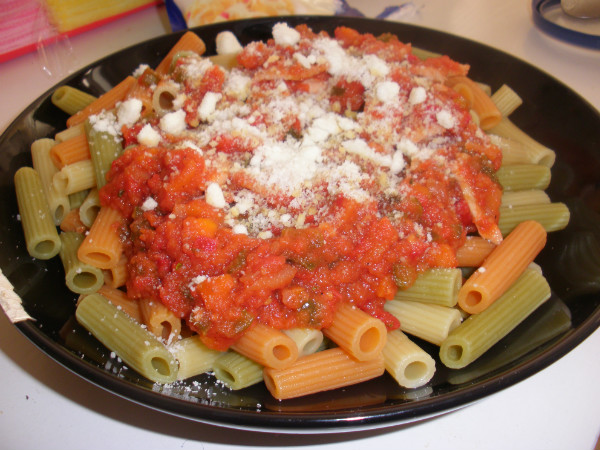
(292,209)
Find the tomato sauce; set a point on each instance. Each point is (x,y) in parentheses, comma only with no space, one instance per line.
(357,245)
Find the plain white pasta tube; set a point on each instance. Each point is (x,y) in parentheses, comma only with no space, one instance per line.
(69,133)
(164,96)
(75,177)
(409,364)
(89,208)
(506,100)
(429,322)
(308,340)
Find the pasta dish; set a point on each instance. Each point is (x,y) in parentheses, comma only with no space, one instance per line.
(289,207)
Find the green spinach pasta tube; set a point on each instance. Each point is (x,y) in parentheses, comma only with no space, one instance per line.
(548,321)
(536,152)
(439,286)
(479,332)
(552,216)
(104,148)
(518,177)
(237,371)
(81,278)
(429,322)
(43,165)
(41,237)
(136,346)
(194,357)
(70,99)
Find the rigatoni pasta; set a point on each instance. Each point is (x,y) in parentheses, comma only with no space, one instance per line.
(103,151)
(267,346)
(194,357)
(106,101)
(102,247)
(70,151)
(80,278)
(480,331)
(409,364)
(326,370)
(502,267)
(524,176)
(255,215)
(237,371)
(119,298)
(361,335)
(58,202)
(136,346)
(426,321)
(160,321)
(308,340)
(40,232)
(537,153)
(71,100)
(439,286)
(552,216)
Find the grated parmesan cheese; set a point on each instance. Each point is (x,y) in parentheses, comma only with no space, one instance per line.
(284,35)
(417,95)
(208,105)
(148,136)
(173,122)
(149,204)
(214,196)
(445,119)
(289,143)
(387,91)
(129,111)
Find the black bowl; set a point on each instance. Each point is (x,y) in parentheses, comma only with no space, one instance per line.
(551,113)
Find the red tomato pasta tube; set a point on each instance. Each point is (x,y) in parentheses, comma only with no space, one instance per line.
(474,251)
(119,298)
(72,150)
(360,334)
(502,267)
(160,321)
(116,276)
(321,371)
(102,246)
(72,222)
(188,42)
(267,346)
(481,103)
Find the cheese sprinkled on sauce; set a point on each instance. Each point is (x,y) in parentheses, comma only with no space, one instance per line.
(283,135)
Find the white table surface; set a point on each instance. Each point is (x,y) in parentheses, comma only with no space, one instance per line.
(43,405)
